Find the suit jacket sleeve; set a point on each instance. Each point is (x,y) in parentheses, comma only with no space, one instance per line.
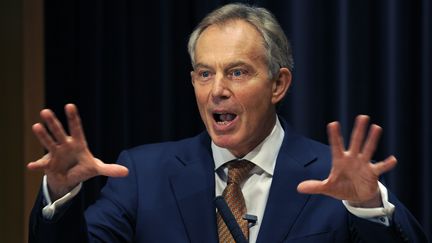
(404,227)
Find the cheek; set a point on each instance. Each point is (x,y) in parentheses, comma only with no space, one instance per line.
(199,96)
(258,109)
(201,100)
(256,99)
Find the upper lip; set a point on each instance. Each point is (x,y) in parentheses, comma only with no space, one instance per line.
(222,111)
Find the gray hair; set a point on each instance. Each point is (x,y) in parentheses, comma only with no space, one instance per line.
(279,52)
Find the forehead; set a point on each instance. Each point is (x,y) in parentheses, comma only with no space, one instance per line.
(235,39)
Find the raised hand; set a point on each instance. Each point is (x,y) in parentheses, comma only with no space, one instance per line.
(352,177)
(68,161)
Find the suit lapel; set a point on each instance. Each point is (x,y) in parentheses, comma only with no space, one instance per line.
(285,204)
(194,190)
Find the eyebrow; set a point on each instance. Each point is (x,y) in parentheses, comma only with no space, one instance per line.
(229,66)
(200,65)
(236,64)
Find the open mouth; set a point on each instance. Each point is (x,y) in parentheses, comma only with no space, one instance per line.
(224,118)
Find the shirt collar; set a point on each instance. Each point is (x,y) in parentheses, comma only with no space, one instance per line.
(264,155)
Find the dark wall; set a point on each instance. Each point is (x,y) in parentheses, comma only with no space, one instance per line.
(125,64)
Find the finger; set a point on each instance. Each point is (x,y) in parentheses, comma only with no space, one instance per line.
(358,133)
(74,122)
(54,125)
(39,164)
(113,170)
(371,142)
(36,165)
(311,187)
(335,139)
(384,166)
(43,136)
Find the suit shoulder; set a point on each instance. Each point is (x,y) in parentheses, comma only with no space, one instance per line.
(309,153)
(318,147)
(183,148)
(174,146)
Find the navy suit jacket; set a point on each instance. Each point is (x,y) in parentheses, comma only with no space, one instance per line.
(169,192)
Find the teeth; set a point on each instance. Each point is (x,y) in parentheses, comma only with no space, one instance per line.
(224,118)
(227,117)
(222,122)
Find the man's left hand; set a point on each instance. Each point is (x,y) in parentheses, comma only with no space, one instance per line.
(352,177)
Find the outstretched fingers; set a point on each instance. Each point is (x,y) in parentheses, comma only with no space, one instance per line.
(358,134)
(312,187)
(39,164)
(111,170)
(385,165)
(54,125)
(335,139)
(74,122)
(44,137)
(371,142)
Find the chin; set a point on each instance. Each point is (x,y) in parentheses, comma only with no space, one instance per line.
(223,141)
(226,141)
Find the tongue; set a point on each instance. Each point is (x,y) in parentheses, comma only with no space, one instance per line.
(227,117)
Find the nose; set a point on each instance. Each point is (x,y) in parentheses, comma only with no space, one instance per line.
(220,88)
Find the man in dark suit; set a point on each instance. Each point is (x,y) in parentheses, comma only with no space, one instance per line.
(164,192)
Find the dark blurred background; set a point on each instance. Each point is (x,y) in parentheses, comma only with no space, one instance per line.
(125,64)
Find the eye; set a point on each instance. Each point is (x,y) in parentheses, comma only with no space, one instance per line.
(237,74)
(205,74)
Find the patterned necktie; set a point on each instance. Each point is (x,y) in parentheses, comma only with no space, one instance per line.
(237,172)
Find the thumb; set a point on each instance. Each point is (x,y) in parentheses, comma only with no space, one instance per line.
(386,165)
(113,170)
(311,187)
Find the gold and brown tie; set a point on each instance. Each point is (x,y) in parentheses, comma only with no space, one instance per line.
(237,172)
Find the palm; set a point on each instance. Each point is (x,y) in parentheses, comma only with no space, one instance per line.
(71,161)
(352,177)
(68,161)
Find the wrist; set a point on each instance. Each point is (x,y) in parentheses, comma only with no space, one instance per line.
(374,202)
(57,189)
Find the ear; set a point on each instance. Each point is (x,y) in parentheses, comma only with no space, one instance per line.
(281,85)
(192,78)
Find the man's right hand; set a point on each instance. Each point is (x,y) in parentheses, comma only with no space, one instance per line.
(68,161)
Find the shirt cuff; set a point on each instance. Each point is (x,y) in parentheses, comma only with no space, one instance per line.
(380,215)
(49,210)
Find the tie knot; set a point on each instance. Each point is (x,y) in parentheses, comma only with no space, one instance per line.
(238,170)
